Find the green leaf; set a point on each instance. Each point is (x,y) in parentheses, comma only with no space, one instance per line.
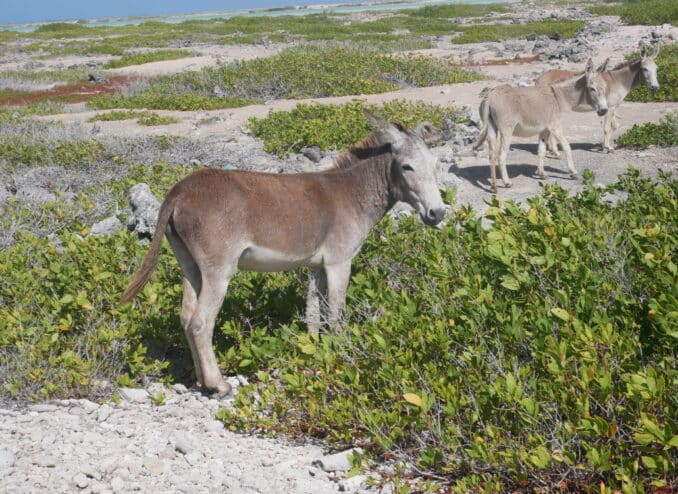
(560,314)
(412,398)
(510,282)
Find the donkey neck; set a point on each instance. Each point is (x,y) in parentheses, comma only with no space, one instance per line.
(368,186)
(569,95)
(624,79)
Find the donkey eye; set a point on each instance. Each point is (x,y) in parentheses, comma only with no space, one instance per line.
(593,89)
(407,168)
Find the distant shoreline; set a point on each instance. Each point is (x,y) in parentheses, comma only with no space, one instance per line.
(335,7)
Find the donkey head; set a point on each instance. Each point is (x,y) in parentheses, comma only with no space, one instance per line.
(596,89)
(414,169)
(648,67)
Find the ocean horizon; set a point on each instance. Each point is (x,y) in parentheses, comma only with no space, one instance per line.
(345,6)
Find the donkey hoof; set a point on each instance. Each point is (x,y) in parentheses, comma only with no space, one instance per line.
(573,174)
(543,176)
(222,391)
(508,185)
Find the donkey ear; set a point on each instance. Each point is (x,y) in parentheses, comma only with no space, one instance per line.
(589,66)
(393,134)
(655,52)
(603,66)
(427,132)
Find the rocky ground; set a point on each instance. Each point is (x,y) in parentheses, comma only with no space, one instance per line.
(136,445)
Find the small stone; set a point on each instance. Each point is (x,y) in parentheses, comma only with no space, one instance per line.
(45,462)
(106,227)
(88,406)
(180,389)
(193,458)
(81,481)
(338,462)
(154,465)
(312,152)
(117,484)
(43,408)
(7,459)
(134,395)
(104,412)
(214,426)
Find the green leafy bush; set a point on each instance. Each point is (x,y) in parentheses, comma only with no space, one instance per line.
(540,351)
(647,12)
(69,154)
(667,76)
(304,72)
(141,58)
(142,117)
(335,127)
(497,32)
(664,133)
(165,101)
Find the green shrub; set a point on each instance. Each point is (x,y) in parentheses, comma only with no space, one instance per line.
(142,117)
(142,58)
(647,12)
(667,76)
(69,154)
(164,101)
(664,133)
(498,32)
(336,127)
(539,351)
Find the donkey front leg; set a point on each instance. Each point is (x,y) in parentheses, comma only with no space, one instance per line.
(558,132)
(317,285)
(337,282)
(201,327)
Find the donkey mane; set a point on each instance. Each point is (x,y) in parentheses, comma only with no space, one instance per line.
(626,63)
(373,145)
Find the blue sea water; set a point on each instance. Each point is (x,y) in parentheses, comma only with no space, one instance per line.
(225,14)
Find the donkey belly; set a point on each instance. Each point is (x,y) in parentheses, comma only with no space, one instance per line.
(263,259)
(527,130)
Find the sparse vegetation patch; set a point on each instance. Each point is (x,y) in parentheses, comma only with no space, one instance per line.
(664,134)
(147,57)
(497,32)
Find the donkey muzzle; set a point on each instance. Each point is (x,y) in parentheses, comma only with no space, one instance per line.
(601,111)
(434,216)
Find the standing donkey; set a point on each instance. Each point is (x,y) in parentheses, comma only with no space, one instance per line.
(536,110)
(620,80)
(219,221)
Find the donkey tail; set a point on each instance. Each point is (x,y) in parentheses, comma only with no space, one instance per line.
(148,265)
(485,118)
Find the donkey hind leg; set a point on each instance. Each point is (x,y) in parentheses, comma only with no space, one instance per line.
(317,285)
(610,124)
(492,154)
(541,152)
(192,282)
(504,145)
(215,282)
(552,145)
(338,276)
(566,147)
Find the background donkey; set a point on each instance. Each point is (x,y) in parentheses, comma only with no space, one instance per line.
(526,111)
(620,81)
(219,221)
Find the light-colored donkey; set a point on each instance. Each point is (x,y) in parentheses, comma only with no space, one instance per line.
(219,221)
(536,110)
(620,80)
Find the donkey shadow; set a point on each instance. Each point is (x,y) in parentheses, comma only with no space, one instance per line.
(479,175)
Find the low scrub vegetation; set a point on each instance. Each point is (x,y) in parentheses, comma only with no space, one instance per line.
(664,133)
(303,72)
(498,32)
(147,57)
(667,75)
(647,12)
(335,127)
(142,117)
(153,100)
(539,352)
